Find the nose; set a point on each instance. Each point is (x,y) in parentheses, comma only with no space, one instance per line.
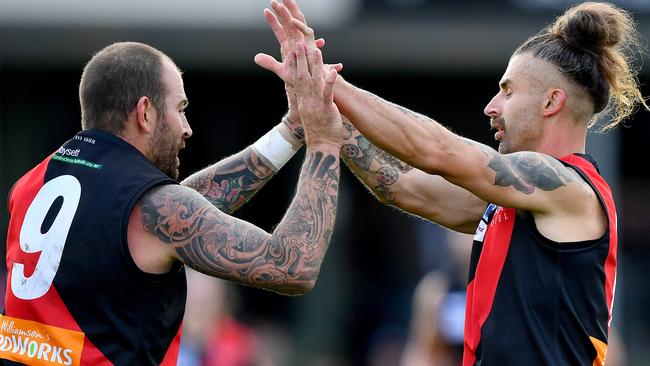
(187,130)
(492,108)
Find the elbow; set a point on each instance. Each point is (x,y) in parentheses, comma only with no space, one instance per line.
(303,288)
(297,287)
(300,281)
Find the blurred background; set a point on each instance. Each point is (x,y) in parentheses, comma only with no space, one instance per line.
(391,285)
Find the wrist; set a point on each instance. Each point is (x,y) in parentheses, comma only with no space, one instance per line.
(293,123)
(277,146)
(324,146)
(341,90)
(323,143)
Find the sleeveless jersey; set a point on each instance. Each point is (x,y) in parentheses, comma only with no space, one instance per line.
(74,294)
(533,301)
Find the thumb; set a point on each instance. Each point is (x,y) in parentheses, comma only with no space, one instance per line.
(269,63)
(330,81)
(338,67)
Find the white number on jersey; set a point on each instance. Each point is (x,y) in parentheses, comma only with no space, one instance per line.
(51,243)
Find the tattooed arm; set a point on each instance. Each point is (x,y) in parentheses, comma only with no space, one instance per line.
(174,222)
(392,181)
(231,182)
(526,180)
(398,184)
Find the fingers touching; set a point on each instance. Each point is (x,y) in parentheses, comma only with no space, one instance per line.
(311,75)
(306,32)
(295,10)
(275,25)
(303,76)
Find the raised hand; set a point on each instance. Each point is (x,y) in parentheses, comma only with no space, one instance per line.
(314,86)
(287,35)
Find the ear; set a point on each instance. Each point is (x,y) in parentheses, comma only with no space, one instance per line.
(145,114)
(554,102)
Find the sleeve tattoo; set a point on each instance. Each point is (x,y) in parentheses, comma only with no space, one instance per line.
(223,246)
(375,167)
(232,182)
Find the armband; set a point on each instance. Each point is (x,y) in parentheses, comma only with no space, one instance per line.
(276,149)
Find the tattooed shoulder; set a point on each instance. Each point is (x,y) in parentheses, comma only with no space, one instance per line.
(172,213)
(526,171)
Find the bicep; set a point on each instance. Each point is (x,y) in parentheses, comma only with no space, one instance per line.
(208,240)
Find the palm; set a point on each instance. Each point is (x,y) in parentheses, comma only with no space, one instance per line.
(287,35)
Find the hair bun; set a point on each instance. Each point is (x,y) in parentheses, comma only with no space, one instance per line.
(593,26)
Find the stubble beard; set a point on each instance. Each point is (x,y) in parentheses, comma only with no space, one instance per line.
(164,149)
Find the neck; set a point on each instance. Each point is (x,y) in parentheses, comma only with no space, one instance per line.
(564,138)
(132,136)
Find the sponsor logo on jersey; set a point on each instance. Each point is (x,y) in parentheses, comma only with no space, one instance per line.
(479,235)
(34,343)
(68,152)
(78,161)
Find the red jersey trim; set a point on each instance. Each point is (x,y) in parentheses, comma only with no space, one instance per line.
(49,308)
(481,291)
(605,193)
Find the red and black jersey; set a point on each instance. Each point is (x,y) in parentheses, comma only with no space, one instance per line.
(533,301)
(74,294)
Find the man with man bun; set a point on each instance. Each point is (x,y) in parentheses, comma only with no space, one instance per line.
(543,264)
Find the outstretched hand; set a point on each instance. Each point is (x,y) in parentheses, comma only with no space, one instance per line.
(314,86)
(287,34)
(281,20)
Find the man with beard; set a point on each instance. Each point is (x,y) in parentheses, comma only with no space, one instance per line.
(100,231)
(543,263)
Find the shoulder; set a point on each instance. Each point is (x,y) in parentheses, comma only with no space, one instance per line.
(165,215)
(579,213)
(165,211)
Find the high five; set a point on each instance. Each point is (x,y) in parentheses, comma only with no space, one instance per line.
(543,265)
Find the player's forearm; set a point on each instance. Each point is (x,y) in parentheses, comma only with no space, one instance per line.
(411,137)
(304,233)
(231,182)
(287,261)
(375,168)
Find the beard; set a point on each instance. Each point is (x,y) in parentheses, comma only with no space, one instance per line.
(164,149)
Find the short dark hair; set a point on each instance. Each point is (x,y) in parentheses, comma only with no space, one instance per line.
(115,79)
(593,44)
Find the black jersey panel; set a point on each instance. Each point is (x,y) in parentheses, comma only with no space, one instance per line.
(130,316)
